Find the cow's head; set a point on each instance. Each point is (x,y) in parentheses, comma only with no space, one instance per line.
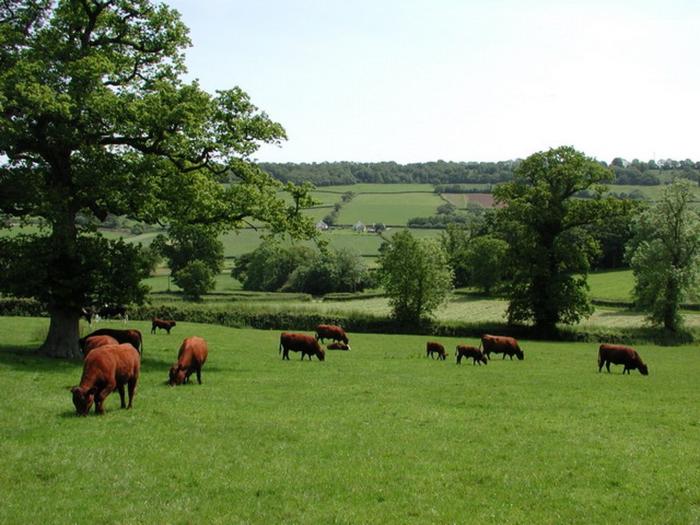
(321,354)
(177,375)
(519,354)
(644,369)
(82,399)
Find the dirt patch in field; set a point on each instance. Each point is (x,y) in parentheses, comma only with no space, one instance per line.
(461,199)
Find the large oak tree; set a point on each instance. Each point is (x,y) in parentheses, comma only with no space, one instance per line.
(95,119)
(550,234)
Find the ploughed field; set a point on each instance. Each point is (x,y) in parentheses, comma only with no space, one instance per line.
(378,434)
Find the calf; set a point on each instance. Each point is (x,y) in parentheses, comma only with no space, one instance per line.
(469,351)
(191,357)
(163,324)
(338,346)
(329,331)
(105,369)
(621,355)
(498,344)
(97,341)
(432,348)
(133,337)
(303,343)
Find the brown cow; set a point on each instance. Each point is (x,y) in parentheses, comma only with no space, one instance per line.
(133,337)
(329,331)
(105,369)
(303,343)
(621,355)
(338,346)
(432,348)
(97,341)
(191,357)
(499,344)
(470,351)
(163,324)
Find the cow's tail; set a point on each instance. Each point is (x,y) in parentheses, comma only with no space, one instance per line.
(140,343)
(280,349)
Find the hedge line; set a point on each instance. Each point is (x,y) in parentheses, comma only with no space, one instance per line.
(239,316)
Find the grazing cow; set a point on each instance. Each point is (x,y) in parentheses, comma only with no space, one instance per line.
(191,357)
(106,369)
(89,314)
(469,351)
(432,348)
(329,331)
(108,311)
(498,344)
(163,324)
(97,341)
(303,343)
(133,337)
(338,346)
(621,355)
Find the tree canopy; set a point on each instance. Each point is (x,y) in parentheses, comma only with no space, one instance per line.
(95,119)
(416,276)
(665,255)
(547,228)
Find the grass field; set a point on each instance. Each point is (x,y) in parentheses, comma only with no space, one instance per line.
(389,208)
(379,434)
(612,286)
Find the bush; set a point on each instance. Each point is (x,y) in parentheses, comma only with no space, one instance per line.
(195,279)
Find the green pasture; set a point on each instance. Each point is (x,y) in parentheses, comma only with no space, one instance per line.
(612,286)
(652,193)
(377,188)
(389,208)
(380,434)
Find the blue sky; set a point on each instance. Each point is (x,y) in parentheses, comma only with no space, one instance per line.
(413,81)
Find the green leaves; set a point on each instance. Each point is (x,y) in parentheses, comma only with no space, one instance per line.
(551,244)
(415,274)
(665,255)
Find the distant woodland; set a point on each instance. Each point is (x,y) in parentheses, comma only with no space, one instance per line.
(636,172)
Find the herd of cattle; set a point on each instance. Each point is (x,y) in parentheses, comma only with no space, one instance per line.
(112,358)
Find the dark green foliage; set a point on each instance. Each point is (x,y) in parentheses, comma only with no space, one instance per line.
(195,256)
(486,262)
(273,266)
(96,124)
(450,175)
(548,231)
(268,267)
(665,255)
(416,276)
(195,278)
(440,172)
(99,273)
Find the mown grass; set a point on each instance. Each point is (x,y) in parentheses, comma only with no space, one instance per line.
(376,435)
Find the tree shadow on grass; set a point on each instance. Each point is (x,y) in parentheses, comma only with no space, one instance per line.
(25,358)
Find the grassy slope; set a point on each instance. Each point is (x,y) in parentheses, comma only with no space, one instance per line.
(379,434)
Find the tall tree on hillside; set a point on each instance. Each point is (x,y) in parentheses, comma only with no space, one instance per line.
(416,276)
(665,255)
(95,119)
(550,244)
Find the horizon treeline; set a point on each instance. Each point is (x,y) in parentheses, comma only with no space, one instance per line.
(636,172)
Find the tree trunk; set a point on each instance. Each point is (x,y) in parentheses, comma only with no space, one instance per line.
(62,339)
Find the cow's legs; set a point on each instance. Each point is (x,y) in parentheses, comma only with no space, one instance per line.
(100,398)
(132,390)
(120,389)
(199,375)
(607,366)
